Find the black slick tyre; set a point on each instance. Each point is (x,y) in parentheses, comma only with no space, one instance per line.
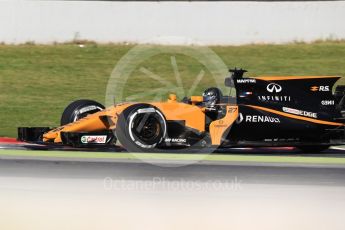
(141,128)
(79,109)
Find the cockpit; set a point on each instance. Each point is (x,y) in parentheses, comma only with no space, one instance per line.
(213,97)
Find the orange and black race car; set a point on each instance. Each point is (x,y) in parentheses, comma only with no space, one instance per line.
(266,111)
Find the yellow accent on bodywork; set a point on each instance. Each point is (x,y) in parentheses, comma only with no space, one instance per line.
(193,116)
(219,127)
(90,123)
(283,78)
(293,116)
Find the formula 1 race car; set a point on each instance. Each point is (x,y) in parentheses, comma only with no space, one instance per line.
(266,111)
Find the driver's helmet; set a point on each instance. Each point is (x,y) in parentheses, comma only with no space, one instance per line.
(211,97)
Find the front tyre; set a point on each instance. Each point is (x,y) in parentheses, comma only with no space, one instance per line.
(79,109)
(141,128)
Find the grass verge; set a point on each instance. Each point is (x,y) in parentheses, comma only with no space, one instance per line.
(37,82)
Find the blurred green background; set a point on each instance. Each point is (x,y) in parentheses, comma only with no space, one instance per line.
(38,81)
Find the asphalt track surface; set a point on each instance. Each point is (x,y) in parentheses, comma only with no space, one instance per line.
(133,170)
(65,194)
(260,172)
(283,151)
(59,193)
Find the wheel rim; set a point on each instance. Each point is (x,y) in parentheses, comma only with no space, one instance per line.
(146,128)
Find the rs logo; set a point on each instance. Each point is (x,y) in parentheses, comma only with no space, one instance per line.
(324,88)
(274,87)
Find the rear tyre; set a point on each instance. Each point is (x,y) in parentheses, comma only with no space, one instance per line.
(141,128)
(79,109)
(313,148)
